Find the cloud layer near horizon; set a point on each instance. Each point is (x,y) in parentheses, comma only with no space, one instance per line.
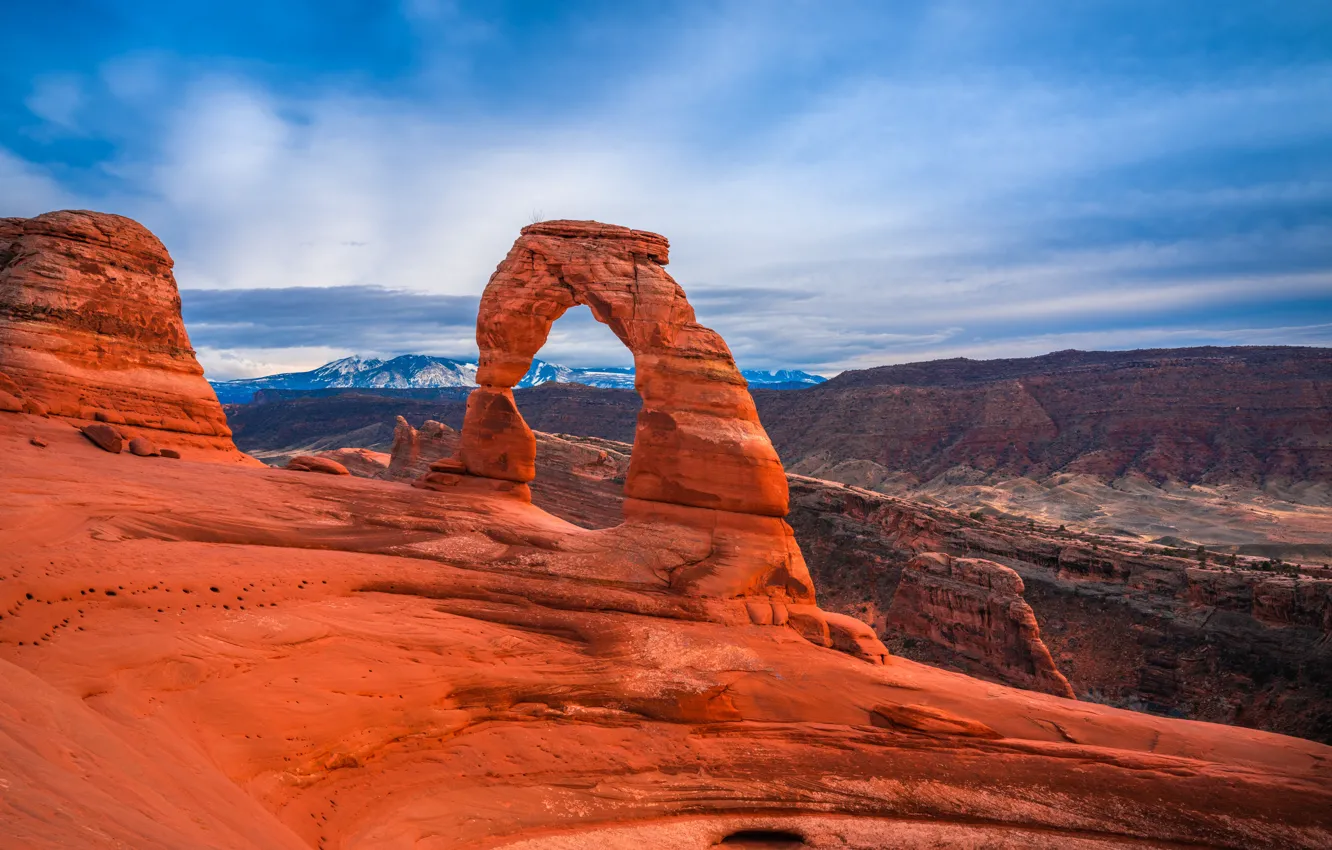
(841,189)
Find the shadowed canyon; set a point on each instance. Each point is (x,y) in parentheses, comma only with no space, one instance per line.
(469,632)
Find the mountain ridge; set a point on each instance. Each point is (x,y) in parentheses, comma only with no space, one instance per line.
(424,371)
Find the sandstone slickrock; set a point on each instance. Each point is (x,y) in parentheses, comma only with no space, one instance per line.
(975,607)
(311,463)
(90,328)
(286,663)
(1116,642)
(924,718)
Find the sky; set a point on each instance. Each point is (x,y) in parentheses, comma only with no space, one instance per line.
(844,184)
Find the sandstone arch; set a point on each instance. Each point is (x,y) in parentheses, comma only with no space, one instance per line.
(698,443)
(705,494)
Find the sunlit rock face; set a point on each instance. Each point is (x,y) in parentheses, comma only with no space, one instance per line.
(90,327)
(699,442)
(701,459)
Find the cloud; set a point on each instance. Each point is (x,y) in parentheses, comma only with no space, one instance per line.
(27,189)
(57,99)
(234,331)
(1120,339)
(233,363)
(839,190)
(365,319)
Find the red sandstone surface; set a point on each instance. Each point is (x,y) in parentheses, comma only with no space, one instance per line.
(1132,624)
(363,462)
(382,665)
(312,463)
(212,655)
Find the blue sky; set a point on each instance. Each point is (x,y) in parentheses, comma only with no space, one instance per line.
(844,184)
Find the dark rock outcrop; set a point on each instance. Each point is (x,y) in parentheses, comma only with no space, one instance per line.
(975,608)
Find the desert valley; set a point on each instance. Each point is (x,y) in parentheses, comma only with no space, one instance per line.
(1081,600)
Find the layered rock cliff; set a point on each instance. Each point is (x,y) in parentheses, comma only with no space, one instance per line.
(975,608)
(90,328)
(1215,415)
(1237,640)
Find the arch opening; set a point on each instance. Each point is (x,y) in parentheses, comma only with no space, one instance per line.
(580,473)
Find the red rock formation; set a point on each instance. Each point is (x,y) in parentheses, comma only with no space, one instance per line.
(415,449)
(975,608)
(90,328)
(143,447)
(105,437)
(699,442)
(701,465)
(310,463)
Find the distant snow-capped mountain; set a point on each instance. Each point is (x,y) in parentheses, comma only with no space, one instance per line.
(418,371)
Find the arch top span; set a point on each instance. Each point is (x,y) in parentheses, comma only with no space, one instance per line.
(698,443)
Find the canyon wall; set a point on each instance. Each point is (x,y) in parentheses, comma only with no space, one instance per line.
(1240,641)
(1213,415)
